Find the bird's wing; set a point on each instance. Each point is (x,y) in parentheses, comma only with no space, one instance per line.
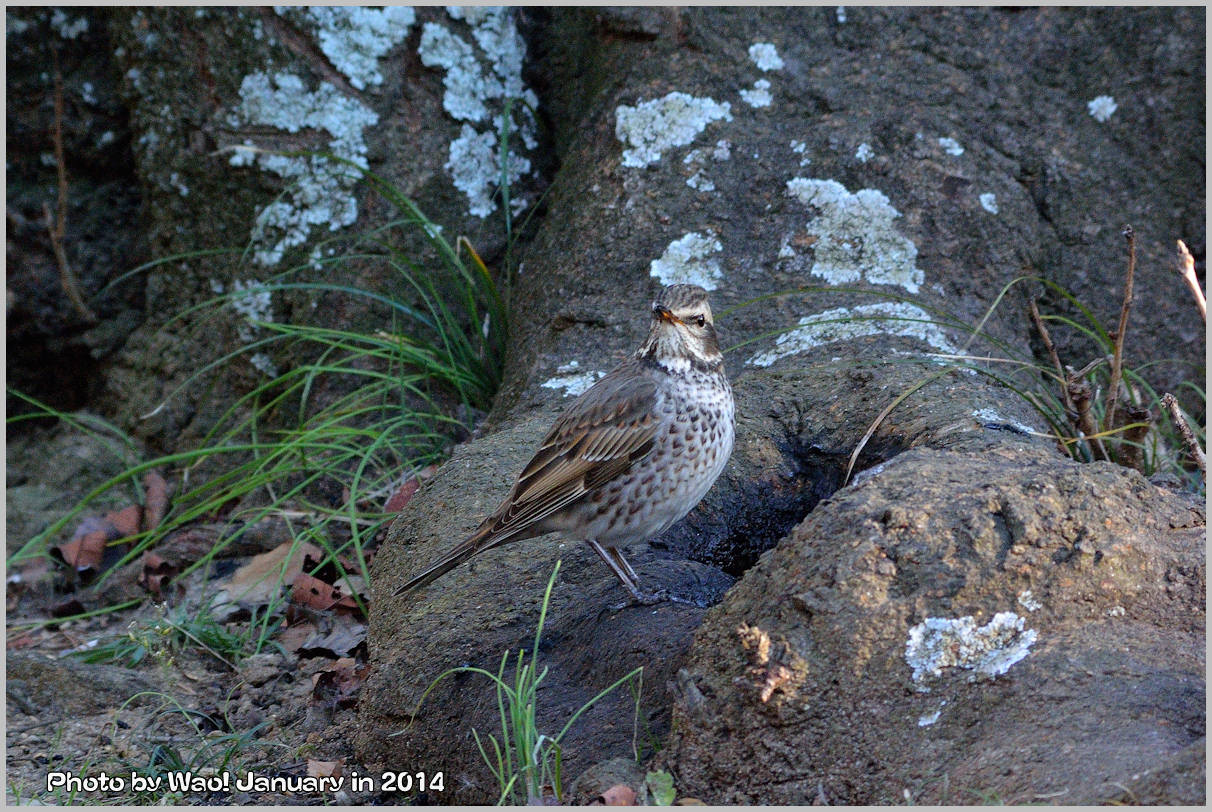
(601,435)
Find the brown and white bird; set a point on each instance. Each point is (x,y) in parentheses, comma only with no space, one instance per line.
(631,455)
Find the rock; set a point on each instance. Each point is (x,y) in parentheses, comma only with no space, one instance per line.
(594,782)
(847,240)
(65,687)
(1108,595)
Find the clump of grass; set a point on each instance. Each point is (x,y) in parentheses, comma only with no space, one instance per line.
(1083,417)
(170,631)
(527,764)
(324,443)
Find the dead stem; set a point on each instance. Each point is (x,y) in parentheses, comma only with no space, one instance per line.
(1117,359)
(1184,428)
(1137,420)
(1051,348)
(1187,263)
(1081,394)
(56,226)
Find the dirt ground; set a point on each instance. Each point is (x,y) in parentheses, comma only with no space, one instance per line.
(189,723)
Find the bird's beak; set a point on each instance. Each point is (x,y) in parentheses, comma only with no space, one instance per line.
(665,314)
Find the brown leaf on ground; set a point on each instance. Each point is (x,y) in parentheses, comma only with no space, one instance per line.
(126,521)
(325,769)
(325,589)
(84,552)
(313,593)
(156,573)
(262,578)
(345,636)
(156,502)
(295,635)
(618,795)
(339,685)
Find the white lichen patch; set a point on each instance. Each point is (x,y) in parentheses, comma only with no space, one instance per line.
(988,651)
(264,363)
(951,146)
(355,38)
(759,96)
(570,378)
(700,182)
(479,84)
(319,192)
(930,718)
(856,237)
(991,418)
(801,149)
(723,150)
(1101,107)
(65,27)
(765,56)
(475,168)
(674,120)
(989,202)
(849,323)
(841,14)
(864,152)
(1028,601)
(688,261)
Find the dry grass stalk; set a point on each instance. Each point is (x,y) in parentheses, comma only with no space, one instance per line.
(1117,358)
(56,226)
(1187,263)
(1193,448)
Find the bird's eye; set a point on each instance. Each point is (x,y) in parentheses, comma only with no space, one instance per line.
(700,320)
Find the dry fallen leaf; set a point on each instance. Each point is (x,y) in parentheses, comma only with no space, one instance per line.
(619,795)
(156,500)
(261,580)
(324,769)
(339,685)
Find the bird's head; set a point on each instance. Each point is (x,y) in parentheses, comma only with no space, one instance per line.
(683,332)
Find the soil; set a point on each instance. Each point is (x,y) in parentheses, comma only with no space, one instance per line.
(222,715)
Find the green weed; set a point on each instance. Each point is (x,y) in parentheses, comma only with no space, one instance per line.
(527,764)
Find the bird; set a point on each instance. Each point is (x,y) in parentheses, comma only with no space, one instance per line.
(632,455)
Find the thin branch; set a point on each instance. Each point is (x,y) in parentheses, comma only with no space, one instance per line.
(1117,359)
(1184,428)
(1051,348)
(1188,273)
(56,227)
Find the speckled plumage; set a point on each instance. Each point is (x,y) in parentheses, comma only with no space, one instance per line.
(630,456)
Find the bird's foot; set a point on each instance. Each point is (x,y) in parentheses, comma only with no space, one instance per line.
(641,598)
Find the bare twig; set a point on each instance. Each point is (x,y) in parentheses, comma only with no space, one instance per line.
(1051,348)
(1188,273)
(1117,359)
(56,227)
(1184,428)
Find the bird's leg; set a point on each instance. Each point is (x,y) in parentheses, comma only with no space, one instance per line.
(619,566)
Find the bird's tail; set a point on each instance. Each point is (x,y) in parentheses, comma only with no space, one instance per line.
(479,541)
